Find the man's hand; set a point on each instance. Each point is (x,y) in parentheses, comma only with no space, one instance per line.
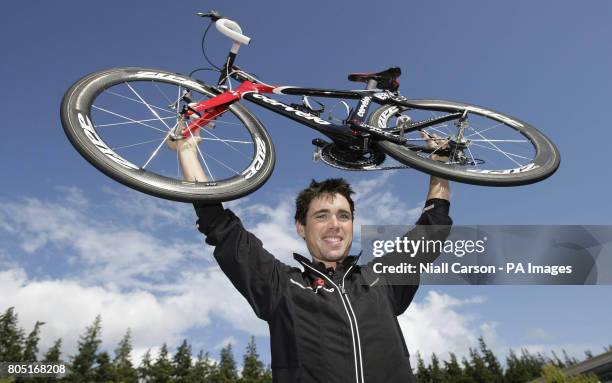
(435,142)
(438,187)
(187,149)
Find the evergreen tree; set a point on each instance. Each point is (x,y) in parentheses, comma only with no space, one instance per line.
(145,371)
(11,337)
(31,343)
(533,363)
(588,354)
(54,353)
(182,362)
(82,363)
(122,363)
(267,375)
(252,367)
(51,356)
(468,371)
(495,369)
(422,374)
(202,369)
(556,360)
(569,361)
(162,369)
(226,370)
(104,371)
(436,374)
(516,369)
(480,372)
(453,370)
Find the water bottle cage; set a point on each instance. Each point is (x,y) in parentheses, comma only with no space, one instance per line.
(304,108)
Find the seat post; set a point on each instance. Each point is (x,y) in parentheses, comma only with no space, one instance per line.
(372,84)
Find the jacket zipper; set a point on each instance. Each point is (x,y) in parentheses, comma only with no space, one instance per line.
(356,325)
(343,296)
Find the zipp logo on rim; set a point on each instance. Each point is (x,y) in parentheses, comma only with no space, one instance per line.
(287,108)
(166,76)
(522,169)
(258,162)
(91,134)
(384,116)
(364,106)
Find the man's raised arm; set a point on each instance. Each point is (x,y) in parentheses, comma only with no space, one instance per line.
(255,273)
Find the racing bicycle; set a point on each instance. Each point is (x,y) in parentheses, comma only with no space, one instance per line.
(121,119)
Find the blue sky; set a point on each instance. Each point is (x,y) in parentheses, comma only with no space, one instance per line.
(74,244)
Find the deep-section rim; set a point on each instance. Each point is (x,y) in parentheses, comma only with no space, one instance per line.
(80,96)
(547,155)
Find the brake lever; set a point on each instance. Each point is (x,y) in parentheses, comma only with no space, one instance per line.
(214,15)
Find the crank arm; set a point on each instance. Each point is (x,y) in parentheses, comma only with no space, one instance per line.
(380,133)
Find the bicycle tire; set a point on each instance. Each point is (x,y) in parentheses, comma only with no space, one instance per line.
(87,135)
(545,156)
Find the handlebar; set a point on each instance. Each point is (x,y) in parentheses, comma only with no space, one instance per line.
(232,30)
(227,27)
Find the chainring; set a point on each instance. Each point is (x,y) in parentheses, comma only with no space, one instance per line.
(347,159)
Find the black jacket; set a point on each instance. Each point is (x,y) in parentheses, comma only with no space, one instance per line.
(325,325)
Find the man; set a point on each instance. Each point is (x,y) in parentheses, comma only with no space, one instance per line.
(335,321)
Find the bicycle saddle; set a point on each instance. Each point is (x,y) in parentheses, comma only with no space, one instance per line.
(387,79)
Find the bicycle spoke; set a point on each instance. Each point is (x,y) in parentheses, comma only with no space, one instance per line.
(441,132)
(432,138)
(472,156)
(149,107)
(445,125)
(135,100)
(507,153)
(160,91)
(212,177)
(134,121)
(207,131)
(129,119)
(493,140)
(234,141)
(157,149)
(482,131)
(136,144)
(222,164)
(501,151)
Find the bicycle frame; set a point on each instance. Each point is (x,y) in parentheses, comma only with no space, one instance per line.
(354,133)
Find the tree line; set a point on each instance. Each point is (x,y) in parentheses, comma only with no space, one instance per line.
(90,364)
(483,366)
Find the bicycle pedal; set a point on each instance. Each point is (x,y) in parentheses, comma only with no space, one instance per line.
(319,142)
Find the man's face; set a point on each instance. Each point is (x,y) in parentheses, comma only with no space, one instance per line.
(329,228)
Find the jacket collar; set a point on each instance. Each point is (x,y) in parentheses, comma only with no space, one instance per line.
(341,268)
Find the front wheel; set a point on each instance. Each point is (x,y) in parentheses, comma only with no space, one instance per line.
(484,147)
(121,119)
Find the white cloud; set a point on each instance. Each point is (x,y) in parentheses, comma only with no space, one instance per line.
(377,204)
(437,325)
(112,253)
(68,307)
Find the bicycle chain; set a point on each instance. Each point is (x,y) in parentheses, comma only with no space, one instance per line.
(330,153)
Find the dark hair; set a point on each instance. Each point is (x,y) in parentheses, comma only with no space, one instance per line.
(316,189)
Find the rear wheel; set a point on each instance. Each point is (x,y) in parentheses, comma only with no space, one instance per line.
(485,147)
(121,119)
